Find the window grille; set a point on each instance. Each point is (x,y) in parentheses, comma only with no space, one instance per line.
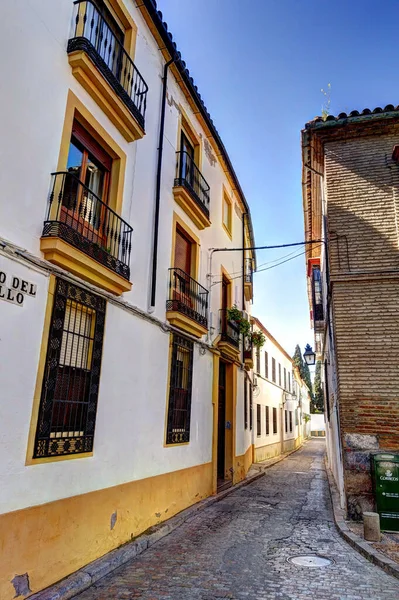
(180,388)
(258,360)
(286,420)
(258,421)
(68,404)
(245,403)
(274,419)
(274,370)
(285,378)
(290,420)
(267,421)
(251,416)
(266,365)
(279,374)
(289,381)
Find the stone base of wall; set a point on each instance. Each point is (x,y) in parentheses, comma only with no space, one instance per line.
(266,452)
(273,450)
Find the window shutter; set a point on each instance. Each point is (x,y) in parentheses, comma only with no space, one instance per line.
(93,147)
(75,342)
(182,253)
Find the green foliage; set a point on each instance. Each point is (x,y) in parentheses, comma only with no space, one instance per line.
(258,338)
(325,109)
(306,418)
(303,369)
(235,314)
(297,358)
(318,397)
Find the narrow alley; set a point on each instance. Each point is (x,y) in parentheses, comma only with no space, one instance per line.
(240,547)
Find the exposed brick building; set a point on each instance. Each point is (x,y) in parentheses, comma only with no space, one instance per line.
(351,200)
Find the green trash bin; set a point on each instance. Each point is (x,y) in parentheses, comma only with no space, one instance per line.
(385,471)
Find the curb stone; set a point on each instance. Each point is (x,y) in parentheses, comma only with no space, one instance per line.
(358,543)
(79,581)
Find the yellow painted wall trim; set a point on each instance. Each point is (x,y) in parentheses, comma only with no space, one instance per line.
(99,89)
(248,291)
(75,109)
(243,464)
(229,200)
(52,540)
(185,200)
(183,322)
(215,417)
(62,254)
(119,10)
(228,350)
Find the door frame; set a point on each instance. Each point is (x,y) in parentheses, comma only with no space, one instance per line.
(231,407)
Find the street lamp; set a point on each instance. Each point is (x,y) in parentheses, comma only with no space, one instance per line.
(309,356)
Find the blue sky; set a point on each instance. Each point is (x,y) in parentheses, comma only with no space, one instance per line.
(259,66)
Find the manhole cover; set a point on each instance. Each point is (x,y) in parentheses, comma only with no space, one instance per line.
(310,561)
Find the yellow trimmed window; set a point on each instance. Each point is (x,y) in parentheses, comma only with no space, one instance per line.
(227,214)
(100,52)
(70,384)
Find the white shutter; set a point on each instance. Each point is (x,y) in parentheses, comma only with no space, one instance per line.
(77,336)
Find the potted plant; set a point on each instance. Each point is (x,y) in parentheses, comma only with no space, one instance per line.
(235,315)
(258,338)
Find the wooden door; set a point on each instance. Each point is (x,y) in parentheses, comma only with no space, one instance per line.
(221,421)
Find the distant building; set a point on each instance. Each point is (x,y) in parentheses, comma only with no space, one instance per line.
(279,399)
(351,201)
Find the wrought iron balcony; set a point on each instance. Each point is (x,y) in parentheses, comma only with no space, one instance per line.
(248,349)
(248,271)
(93,35)
(78,216)
(188,297)
(229,330)
(189,176)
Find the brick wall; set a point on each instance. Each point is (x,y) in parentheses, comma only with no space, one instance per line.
(362,190)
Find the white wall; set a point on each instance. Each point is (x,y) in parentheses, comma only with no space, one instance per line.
(317,423)
(132,400)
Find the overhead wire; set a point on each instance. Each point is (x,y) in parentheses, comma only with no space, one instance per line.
(272,266)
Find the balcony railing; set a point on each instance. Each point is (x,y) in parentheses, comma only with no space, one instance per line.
(248,348)
(229,330)
(248,270)
(76,215)
(318,312)
(187,296)
(189,176)
(93,35)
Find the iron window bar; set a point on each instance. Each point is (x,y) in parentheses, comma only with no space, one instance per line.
(180,388)
(187,296)
(68,404)
(93,35)
(248,270)
(78,216)
(189,176)
(229,330)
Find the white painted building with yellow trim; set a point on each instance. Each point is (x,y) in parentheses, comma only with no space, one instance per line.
(124,394)
(279,400)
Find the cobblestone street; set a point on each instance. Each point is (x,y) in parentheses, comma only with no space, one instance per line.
(238,547)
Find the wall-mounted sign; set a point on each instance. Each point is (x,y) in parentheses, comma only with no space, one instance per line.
(14,289)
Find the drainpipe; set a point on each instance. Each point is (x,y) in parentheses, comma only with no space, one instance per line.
(158,187)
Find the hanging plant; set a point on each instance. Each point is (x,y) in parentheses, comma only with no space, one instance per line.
(234,315)
(258,338)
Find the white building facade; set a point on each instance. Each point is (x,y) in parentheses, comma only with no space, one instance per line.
(276,399)
(125,397)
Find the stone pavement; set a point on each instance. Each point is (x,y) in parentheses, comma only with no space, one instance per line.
(239,548)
